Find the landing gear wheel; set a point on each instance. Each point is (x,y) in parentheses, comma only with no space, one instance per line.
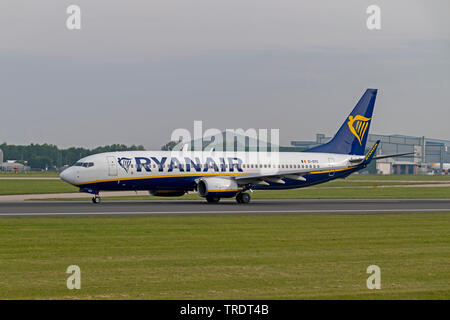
(243,197)
(212,199)
(96,199)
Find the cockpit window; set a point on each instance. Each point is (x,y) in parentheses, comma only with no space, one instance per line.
(84,164)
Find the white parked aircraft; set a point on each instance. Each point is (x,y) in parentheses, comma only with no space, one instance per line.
(437,167)
(216,175)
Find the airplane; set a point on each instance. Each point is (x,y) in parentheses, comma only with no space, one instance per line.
(437,167)
(215,175)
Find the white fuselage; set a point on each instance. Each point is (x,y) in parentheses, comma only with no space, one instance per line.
(144,170)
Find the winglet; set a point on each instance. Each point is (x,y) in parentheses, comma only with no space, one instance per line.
(369,156)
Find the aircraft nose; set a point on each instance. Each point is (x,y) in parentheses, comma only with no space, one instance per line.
(68,176)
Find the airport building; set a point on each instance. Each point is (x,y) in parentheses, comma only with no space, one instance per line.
(426,151)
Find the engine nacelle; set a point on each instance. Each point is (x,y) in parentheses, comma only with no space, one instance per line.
(167,193)
(217,187)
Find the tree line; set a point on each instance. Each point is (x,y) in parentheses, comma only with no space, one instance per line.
(49,156)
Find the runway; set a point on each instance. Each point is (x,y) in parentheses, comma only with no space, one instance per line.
(177,207)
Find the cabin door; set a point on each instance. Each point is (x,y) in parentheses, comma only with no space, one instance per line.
(330,165)
(112,166)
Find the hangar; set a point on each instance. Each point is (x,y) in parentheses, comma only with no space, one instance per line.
(11,165)
(427,151)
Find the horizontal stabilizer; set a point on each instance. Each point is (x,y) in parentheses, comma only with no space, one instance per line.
(393,155)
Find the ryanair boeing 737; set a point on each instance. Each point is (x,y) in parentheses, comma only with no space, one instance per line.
(215,175)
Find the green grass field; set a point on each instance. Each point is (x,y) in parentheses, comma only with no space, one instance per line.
(227,256)
(9,187)
(398,177)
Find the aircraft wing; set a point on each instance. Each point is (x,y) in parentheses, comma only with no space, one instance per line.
(277,176)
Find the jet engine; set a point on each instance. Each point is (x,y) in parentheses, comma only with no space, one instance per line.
(218,187)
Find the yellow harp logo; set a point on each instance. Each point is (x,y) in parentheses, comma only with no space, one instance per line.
(358,126)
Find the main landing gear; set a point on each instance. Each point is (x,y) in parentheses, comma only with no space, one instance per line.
(243,197)
(96,199)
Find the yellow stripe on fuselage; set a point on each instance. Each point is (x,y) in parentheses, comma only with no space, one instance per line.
(332,170)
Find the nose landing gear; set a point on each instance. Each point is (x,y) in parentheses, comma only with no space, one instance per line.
(96,199)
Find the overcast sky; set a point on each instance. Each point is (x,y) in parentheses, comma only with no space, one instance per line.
(139,69)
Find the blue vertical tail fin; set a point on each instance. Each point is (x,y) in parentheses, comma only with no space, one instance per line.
(352,136)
